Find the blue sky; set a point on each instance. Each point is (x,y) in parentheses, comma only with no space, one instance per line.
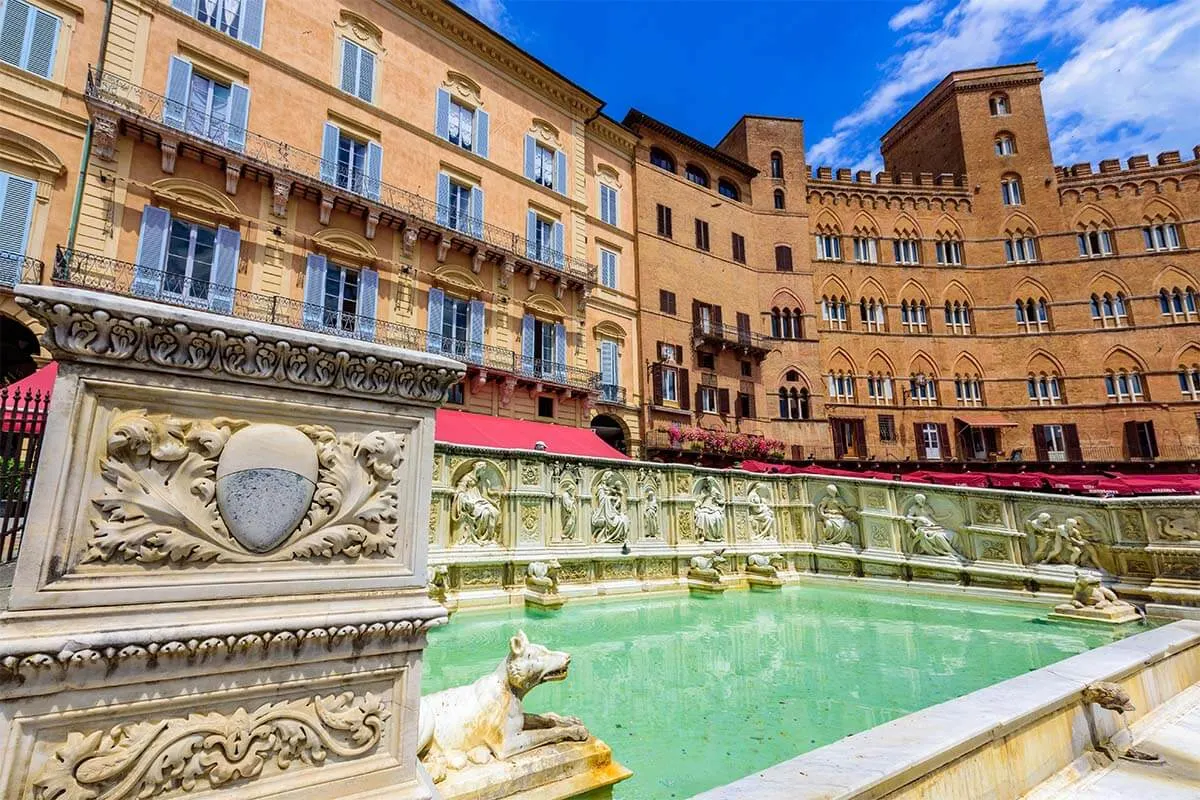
(1121,76)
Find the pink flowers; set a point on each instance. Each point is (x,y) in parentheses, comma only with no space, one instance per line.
(742,445)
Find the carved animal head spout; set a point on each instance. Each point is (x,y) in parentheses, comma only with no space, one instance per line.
(1108,695)
(529,664)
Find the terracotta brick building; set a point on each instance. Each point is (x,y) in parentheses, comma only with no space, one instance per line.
(970,301)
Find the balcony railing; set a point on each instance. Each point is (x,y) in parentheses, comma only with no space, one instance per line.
(729,336)
(14,268)
(612,394)
(100,273)
(275,159)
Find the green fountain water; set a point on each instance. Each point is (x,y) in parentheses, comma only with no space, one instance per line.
(693,692)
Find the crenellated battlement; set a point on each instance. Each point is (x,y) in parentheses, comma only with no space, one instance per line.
(890,180)
(1135,166)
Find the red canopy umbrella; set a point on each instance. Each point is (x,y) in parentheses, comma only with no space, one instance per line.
(26,401)
(946,478)
(1017,480)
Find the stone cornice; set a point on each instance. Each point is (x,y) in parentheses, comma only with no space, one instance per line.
(608,130)
(636,119)
(450,21)
(94,327)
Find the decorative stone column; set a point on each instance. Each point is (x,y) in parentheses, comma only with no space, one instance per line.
(221,588)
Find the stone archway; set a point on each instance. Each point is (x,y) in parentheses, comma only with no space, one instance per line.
(612,431)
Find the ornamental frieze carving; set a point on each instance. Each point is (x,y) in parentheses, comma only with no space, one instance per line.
(94,333)
(200,752)
(183,490)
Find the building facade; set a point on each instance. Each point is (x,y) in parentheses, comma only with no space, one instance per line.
(399,172)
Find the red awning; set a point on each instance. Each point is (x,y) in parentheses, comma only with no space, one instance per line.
(1156,484)
(817,469)
(985,419)
(480,430)
(770,469)
(26,400)
(946,478)
(1017,480)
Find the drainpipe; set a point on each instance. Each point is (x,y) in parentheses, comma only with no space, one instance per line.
(86,157)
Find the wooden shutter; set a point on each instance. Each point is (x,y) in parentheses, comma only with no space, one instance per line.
(1039,442)
(366,75)
(696,306)
(944,440)
(919,441)
(475,330)
(350,62)
(374,185)
(716,318)
(559,256)
(656,380)
(527,336)
(239,115)
(658,351)
(314,291)
(530,155)
(699,404)
(1071,435)
(560,352)
(560,172)
(476,212)
(368,303)
(224,279)
(753,413)
(482,127)
(531,234)
(179,83)
(151,252)
(443,200)
(1153,439)
(839,440)
(723,401)
(441,115)
(16,213)
(329,153)
(43,42)
(783,258)
(1132,450)
(435,310)
(860,440)
(683,389)
(252,22)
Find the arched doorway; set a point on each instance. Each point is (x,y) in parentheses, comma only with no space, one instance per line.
(18,346)
(611,431)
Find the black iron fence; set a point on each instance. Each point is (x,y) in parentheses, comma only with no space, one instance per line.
(22,424)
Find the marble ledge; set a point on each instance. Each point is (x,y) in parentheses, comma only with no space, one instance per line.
(886,758)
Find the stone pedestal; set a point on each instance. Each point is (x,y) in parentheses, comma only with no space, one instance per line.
(553,772)
(221,587)
(543,601)
(1113,615)
(704,585)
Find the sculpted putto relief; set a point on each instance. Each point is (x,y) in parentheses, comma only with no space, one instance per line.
(610,517)
(475,509)
(186,490)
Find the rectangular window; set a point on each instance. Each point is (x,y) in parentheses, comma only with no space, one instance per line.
(546,407)
(1094,244)
(707,395)
(1189,383)
(666,302)
(543,166)
(460,125)
(351,163)
(1124,387)
(664,221)
(358,71)
(841,388)
(543,239)
(922,390)
(1140,441)
(1164,236)
(240,19)
(608,204)
(748,369)
(28,37)
(906,251)
(879,389)
(1056,442)
(745,405)
(460,207)
(702,235)
(866,251)
(456,395)
(887,428)
(544,346)
(608,269)
(670,385)
(738,244)
(456,322)
(783,258)
(208,108)
(829,247)
(341,298)
(705,360)
(913,317)
(949,253)
(1020,250)
(931,441)
(968,391)
(1010,192)
(610,372)
(190,253)
(1044,390)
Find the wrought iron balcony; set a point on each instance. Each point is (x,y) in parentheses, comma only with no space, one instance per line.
(611,394)
(121,106)
(712,334)
(103,274)
(16,268)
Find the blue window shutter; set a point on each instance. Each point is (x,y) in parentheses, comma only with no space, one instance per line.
(224,281)
(477,212)
(151,252)
(349,82)
(239,116)
(252,21)
(530,155)
(374,170)
(560,352)
(368,303)
(314,291)
(329,153)
(443,200)
(186,6)
(16,210)
(13,26)
(608,363)
(560,171)
(179,81)
(441,119)
(531,235)
(436,300)
(559,257)
(366,75)
(481,132)
(43,43)
(475,326)
(527,337)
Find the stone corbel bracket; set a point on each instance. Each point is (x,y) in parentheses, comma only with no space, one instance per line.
(94,327)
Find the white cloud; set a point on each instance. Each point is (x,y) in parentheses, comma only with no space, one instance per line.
(490,12)
(1124,83)
(913,15)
